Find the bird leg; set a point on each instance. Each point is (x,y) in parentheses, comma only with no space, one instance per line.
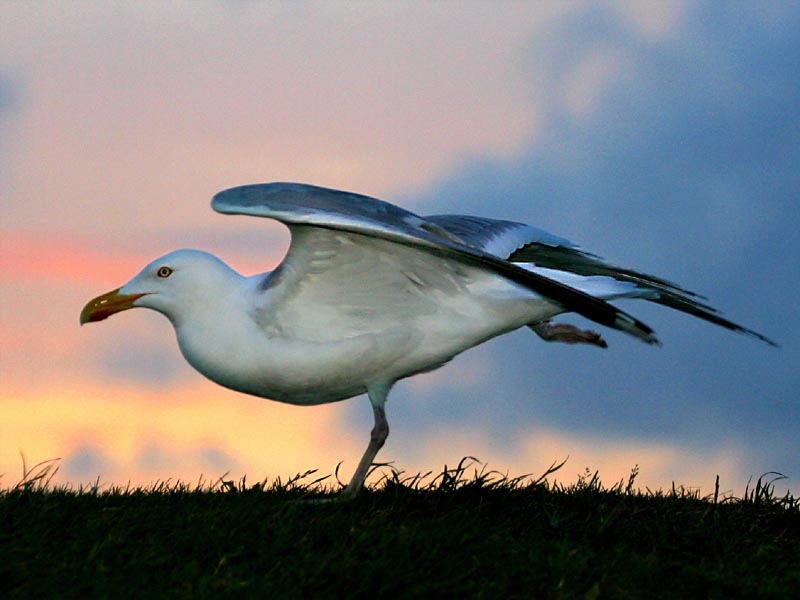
(568,334)
(377,437)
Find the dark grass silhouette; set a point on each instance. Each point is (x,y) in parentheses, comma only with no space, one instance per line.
(466,532)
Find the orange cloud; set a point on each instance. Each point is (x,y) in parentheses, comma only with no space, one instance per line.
(58,258)
(260,438)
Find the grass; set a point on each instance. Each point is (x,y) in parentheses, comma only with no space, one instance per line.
(463,533)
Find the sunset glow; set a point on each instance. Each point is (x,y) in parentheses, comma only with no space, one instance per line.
(661,137)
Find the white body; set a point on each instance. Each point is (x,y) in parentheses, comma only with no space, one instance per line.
(311,339)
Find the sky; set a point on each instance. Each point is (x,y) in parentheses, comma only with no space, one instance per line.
(662,136)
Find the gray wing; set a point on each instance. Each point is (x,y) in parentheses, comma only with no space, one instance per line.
(520,243)
(495,236)
(299,205)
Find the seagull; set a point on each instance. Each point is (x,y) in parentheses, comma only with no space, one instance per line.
(370,293)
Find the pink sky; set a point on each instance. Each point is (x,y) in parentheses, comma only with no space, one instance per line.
(127,118)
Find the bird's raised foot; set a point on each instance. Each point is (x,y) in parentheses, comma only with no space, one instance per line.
(567,334)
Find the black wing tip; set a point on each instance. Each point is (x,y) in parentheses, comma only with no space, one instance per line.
(635,327)
(756,335)
(628,324)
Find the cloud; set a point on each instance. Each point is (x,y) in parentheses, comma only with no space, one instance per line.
(681,162)
(84,464)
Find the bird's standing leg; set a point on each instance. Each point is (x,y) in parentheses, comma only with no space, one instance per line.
(380,431)
(567,334)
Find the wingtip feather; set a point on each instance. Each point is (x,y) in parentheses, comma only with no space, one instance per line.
(628,324)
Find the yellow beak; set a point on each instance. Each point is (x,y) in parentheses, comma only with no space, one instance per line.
(106,305)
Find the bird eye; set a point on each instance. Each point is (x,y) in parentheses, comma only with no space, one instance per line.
(164,272)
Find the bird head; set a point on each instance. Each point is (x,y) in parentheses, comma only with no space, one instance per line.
(170,285)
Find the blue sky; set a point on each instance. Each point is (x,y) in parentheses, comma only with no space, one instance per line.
(661,136)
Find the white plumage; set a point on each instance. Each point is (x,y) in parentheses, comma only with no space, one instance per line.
(369,293)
